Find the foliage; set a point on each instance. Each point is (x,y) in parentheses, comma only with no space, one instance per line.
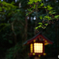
(49,12)
(6,6)
(14,25)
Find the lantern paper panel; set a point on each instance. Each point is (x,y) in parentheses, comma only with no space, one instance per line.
(38,47)
(31,48)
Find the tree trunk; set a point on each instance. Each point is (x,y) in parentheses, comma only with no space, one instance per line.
(36,17)
(26,23)
(12,27)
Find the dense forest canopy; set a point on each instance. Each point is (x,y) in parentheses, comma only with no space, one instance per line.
(21,20)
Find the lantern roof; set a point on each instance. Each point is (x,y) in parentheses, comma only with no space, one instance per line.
(39,35)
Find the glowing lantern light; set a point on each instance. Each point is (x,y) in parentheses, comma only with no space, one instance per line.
(38,47)
(44,53)
(33,53)
(31,48)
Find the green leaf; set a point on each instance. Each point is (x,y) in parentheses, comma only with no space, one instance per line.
(46,24)
(56,16)
(41,17)
(34,6)
(41,4)
(40,26)
(35,1)
(49,7)
(40,23)
(39,0)
(36,27)
(29,9)
(29,2)
(51,12)
(45,7)
(47,17)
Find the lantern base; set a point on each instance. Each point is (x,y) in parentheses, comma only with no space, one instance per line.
(34,54)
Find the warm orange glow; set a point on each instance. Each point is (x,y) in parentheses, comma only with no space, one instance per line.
(34,40)
(33,53)
(46,43)
(31,48)
(38,47)
(39,55)
(44,53)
